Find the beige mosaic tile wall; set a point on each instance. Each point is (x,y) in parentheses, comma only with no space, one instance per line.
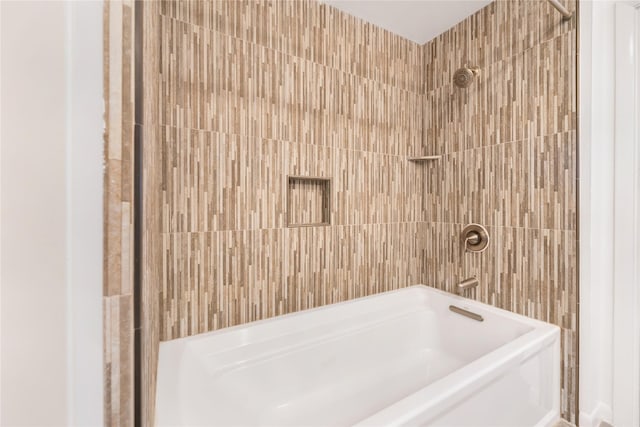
(509,162)
(252,92)
(118,303)
(151,253)
(120,328)
(239,95)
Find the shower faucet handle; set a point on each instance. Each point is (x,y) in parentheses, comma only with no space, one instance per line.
(475,238)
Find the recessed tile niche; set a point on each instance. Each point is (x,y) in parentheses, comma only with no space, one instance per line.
(308,201)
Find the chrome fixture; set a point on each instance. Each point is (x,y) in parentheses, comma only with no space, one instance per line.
(463,77)
(475,238)
(470,283)
(467,313)
(566,15)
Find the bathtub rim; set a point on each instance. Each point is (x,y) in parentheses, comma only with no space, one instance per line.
(438,395)
(462,302)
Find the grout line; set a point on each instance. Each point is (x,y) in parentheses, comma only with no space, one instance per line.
(515,141)
(567,230)
(167,233)
(284,141)
(401,88)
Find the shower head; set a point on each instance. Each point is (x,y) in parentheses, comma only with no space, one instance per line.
(463,77)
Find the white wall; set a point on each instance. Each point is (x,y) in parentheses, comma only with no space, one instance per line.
(85,147)
(597,110)
(51,213)
(626,293)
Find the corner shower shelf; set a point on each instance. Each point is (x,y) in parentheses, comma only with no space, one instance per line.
(423,158)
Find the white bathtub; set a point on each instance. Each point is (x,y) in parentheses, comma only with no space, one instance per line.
(398,358)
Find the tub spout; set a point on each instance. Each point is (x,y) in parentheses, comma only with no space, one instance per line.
(469,283)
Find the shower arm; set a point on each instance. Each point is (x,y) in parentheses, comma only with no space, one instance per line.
(560,8)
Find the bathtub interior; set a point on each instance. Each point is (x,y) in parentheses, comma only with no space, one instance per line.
(356,358)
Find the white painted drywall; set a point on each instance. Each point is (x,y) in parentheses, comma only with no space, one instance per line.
(85,171)
(416,20)
(597,109)
(626,268)
(51,213)
(34,301)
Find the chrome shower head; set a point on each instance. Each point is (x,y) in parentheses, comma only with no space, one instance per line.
(463,77)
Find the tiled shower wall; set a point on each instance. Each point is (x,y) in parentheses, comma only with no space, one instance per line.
(118,300)
(130,112)
(510,163)
(148,135)
(251,93)
(240,95)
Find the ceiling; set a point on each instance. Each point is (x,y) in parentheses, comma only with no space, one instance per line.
(416,20)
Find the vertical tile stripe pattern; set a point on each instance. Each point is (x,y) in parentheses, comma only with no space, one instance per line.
(118,302)
(509,162)
(241,94)
(251,93)
(151,250)
(119,367)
